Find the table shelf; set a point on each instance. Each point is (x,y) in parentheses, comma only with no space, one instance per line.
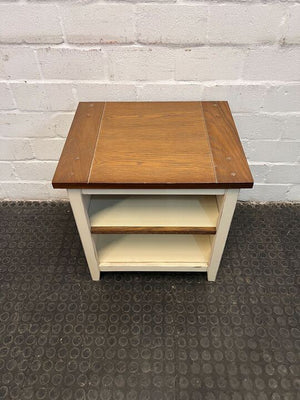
(161,252)
(153,214)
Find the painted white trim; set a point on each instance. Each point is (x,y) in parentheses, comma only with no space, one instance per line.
(227,206)
(80,205)
(154,191)
(149,268)
(80,200)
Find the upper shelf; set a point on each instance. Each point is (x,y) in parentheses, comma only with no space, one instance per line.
(153,214)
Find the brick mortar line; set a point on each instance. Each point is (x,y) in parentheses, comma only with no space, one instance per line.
(168,2)
(71,112)
(137,44)
(206,83)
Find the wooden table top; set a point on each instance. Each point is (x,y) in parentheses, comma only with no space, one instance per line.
(153,145)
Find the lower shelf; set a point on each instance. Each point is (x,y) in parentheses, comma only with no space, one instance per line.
(158,252)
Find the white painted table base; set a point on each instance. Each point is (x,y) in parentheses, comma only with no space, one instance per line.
(80,200)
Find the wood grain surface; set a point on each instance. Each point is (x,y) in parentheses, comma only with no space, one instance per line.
(76,159)
(148,145)
(158,143)
(229,158)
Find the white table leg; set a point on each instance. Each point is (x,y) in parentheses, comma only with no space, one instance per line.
(80,204)
(226,210)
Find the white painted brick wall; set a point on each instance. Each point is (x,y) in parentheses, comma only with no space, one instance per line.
(272,151)
(167,21)
(30,23)
(245,23)
(71,64)
(105,91)
(270,63)
(18,63)
(6,98)
(242,98)
(15,149)
(47,149)
(43,96)
(56,53)
(33,124)
(292,30)
(93,23)
(283,98)
(209,63)
(140,63)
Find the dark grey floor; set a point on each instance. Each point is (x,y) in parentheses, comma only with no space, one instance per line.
(140,336)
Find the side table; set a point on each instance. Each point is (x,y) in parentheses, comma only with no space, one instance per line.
(153,185)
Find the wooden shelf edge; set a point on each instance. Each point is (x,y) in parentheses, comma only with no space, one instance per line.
(153,230)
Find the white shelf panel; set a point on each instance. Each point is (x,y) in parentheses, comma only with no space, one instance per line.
(153,252)
(147,192)
(157,211)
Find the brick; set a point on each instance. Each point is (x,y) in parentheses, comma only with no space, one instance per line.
(282,98)
(259,172)
(209,63)
(35,170)
(6,171)
(6,100)
(272,151)
(292,127)
(293,194)
(18,63)
(60,124)
(268,63)
(35,124)
(57,194)
(71,63)
(170,92)
(241,98)
(44,96)
(284,174)
(293,31)
(47,149)
(2,192)
(260,127)
(29,23)
(105,92)
(99,23)
(176,24)
(244,23)
(264,192)
(15,149)
(26,191)
(140,63)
